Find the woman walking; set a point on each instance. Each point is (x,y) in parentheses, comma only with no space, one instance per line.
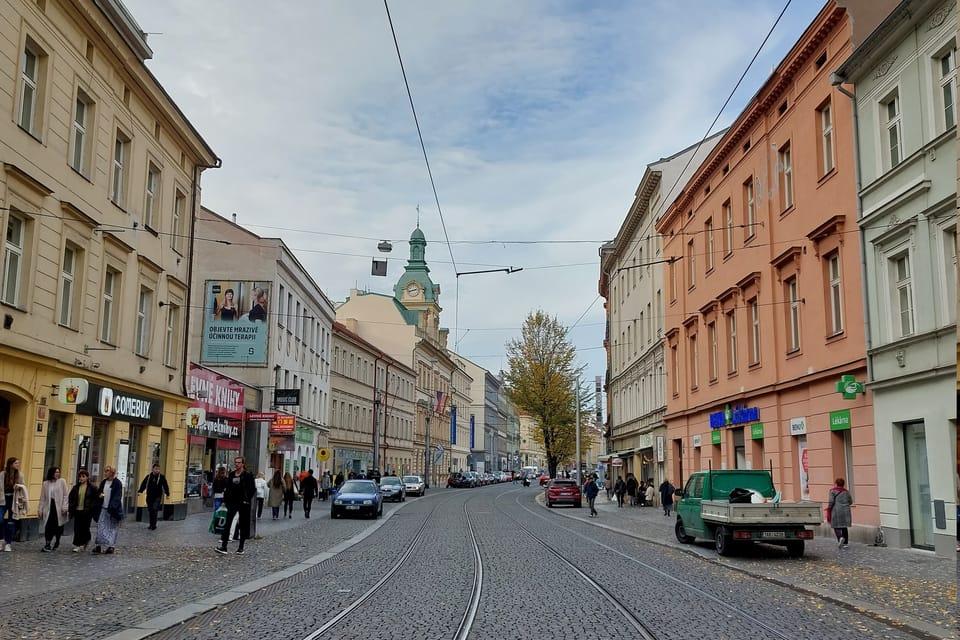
(275,493)
(53,511)
(15,499)
(289,491)
(838,512)
(619,488)
(261,484)
(82,503)
(111,511)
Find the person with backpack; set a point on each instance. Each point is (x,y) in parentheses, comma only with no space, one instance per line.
(590,490)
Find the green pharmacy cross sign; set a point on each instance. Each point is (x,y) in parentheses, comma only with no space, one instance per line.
(849,387)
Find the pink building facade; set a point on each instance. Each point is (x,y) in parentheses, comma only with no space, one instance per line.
(764,309)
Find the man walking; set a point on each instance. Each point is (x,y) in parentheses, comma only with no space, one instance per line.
(238,496)
(590,490)
(308,491)
(155,484)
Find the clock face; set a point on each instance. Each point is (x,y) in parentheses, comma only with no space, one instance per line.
(413,289)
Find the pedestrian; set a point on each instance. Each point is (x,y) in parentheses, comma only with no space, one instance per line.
(838,512)
(82,504)
(666,496)
(308,491)
(619,489)
(53,510)
(238,496)
(261,483)
(275,493)
(590,490)
(289,494)
(339,479)
(642,493)
(155,484)
(219,485)
(325,483)
(111,511)
(15,499)
(632,485)
(650,492)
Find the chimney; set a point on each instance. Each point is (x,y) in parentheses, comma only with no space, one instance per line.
(234,216)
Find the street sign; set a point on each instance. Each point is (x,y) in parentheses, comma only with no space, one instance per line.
(286,397)
(323,455)
(849,387)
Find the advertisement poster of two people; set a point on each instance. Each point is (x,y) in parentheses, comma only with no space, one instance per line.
(235,326)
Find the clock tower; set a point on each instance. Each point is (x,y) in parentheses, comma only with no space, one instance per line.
(415,290)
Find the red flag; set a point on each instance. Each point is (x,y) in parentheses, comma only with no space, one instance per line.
(441,402)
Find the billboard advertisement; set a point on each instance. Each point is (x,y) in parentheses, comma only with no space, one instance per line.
(235,323)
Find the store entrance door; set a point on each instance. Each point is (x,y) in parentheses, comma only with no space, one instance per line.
(918,486)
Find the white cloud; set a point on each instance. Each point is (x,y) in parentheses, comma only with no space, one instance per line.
(539,119)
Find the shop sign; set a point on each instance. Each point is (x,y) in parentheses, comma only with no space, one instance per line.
(121,405)
(646,441)
(616,462)
(235,327)
(798,426)
(280,443)
(216,430)
(696,441)
(756,431)
(286,397)
(736,414)
(261,416)
(849,387)
(716,437)
(218,395)
(660,448)
(840,420)
(304,435)
(284,424)
(73,391)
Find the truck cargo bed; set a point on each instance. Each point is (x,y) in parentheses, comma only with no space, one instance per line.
(762,514)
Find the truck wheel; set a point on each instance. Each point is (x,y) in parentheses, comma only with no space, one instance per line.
(722,541)
(682,533)
(795,548)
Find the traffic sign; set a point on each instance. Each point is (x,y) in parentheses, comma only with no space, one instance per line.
(323,455)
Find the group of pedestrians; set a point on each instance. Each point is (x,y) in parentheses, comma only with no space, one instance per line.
(282,490)
(642,493)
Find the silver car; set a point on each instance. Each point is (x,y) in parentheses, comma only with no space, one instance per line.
(414,485)
(393,489)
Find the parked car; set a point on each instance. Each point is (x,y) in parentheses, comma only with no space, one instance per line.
(471,478)
(357,497)
(544,478)
(414,485)
(562,491)
(393,489)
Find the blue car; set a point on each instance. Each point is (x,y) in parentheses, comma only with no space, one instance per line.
(357,497)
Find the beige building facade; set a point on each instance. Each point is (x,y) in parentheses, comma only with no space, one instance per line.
(372,408)
(99,183)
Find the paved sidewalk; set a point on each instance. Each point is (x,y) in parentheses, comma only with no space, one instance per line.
(914,589)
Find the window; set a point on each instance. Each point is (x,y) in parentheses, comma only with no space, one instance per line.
(754,307)
(892,124)
(712,337)
(694,358)
(673,280)
(152,203)
(793,314)
(179,208)
(786,177)
(903,294)
(108,309)
(32,67)
(950,274)
(142,339)
(170,336)
(121,151)
(69,291)
(948,87)
(728,221)
(732,341)
(826,139)
(675,363)
(749,206)
(13,267)
(691,265)
(82,117)
(708,231)
(836,293)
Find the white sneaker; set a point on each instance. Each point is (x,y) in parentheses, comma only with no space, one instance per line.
(7,547)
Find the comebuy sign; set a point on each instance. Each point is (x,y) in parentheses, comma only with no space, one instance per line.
(116,404)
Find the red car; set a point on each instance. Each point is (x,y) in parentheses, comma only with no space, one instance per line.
(544,478)
(560,491)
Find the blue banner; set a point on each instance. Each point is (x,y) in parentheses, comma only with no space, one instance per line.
(453,424)
(473,443)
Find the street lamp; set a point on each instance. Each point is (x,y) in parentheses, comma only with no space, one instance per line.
(426,443)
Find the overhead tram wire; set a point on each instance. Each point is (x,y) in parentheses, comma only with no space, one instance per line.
(727,101)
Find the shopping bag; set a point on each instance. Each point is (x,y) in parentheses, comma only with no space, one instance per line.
(219,521)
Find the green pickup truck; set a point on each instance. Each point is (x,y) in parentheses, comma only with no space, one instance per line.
(705,510)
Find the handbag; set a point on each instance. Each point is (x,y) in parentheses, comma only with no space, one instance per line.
(219,521)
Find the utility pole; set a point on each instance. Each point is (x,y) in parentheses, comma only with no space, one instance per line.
(576,399)
(426,451)
(376,418)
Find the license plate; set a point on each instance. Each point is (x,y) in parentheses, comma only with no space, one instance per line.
(353,507)
(773,534)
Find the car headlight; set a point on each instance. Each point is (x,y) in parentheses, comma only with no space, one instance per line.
(368,502)
(338,501)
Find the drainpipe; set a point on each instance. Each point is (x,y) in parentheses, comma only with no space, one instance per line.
(194,204)
(837,81)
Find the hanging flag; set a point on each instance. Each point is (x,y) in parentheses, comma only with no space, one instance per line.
(473,442)
(453,424)
(441,403)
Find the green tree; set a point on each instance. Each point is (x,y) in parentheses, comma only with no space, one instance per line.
(540,382)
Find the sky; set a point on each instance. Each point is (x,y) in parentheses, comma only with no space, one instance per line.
(538,117)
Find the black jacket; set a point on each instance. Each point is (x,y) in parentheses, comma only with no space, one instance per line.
(240,489)
(91,500)
(115,507)
(155,487)
(309,487)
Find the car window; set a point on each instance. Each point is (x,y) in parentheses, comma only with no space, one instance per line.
(358,486)
(563,483)
(411,479)
(390,480)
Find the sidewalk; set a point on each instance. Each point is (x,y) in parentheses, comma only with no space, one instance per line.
(915,589)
